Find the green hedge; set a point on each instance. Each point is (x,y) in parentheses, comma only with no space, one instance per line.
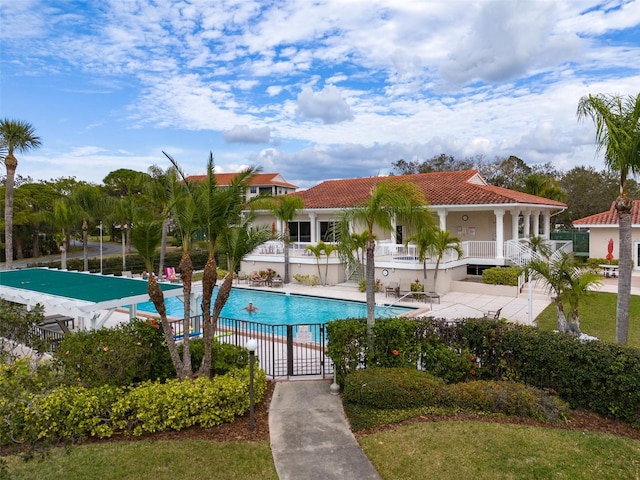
(67,414)
(501,276)
(401,388)
(134,263)
(591,374)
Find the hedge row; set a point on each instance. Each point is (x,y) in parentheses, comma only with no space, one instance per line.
(501,276)
(596,375)
(66,414)
(402,388)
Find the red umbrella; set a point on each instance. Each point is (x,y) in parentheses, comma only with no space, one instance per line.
(610,250)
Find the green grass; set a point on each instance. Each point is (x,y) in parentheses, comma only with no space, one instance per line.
(598,317)
(479,450)
(159,460)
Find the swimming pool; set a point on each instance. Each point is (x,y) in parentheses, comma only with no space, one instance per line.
(276,308)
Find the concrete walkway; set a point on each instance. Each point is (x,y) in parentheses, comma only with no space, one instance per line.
(310,436)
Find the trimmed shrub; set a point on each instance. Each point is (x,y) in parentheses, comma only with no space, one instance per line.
(508,398)
(403,388)
(501,276)
(390,388)
(69,413)
(225,356)
(129,353)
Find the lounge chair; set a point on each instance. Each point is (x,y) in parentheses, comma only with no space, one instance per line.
(276,282)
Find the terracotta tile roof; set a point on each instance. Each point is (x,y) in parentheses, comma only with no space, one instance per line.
(610,217)
(261,179)
(465,187)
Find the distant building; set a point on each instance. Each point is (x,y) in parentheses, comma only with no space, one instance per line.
(605,226)
(262,183)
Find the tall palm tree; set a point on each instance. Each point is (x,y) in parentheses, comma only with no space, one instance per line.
(183,211)
(146,235)
(216,208)
(157,187)
(564,280)
(284,208)
(617,122)
(15,136)
(388,200)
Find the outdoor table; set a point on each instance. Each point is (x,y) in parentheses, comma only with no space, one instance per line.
(610,270)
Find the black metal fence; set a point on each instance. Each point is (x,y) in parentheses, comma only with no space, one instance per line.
(283,350)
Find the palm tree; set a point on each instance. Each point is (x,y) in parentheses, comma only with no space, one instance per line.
(564,280)
(617,122)
(388,200)
(216,209)
(157,187)
(443,242)
(317,250)
(146,235)
(284,208)
(15,136)
(423,240)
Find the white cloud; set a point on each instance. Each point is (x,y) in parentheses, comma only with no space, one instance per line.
(326,105)
(245,134)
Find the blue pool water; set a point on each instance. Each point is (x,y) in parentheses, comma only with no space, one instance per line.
(282,309)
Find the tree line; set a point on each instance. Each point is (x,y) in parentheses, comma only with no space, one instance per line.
(585,190)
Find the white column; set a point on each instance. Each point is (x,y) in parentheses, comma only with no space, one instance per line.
(499,233)
(546,225)
(527,223)
(314,233)
(515,215)
(394,226)
(536,223)
(442,214)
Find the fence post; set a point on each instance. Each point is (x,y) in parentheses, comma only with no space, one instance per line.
(289,350)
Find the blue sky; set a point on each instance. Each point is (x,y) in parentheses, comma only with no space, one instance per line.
(313,90)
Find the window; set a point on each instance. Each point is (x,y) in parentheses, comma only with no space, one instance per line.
(300,231)
(266,190)
(328,231)
(253,189)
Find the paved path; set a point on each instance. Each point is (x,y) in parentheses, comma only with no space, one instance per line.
(310,436)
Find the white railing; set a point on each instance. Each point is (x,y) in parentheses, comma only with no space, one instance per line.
(479,249)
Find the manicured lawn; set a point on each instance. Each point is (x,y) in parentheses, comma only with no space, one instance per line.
(490,451)
(160,460)
(598,317)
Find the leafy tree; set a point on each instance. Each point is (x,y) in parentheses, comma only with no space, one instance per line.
(388,200)
(437,163)
(506,172)
(17,324)
(124,182)
(284,208)
(617,122)
(15,136)
(543,185)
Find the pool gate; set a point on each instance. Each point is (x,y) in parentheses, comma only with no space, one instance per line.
(283,350)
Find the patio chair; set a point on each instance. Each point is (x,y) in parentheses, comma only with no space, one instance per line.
(493,314)
(392,289)
(405,286)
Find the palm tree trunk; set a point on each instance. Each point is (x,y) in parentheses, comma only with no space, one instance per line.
(163,245)
(157,297)
(186,274)
(11,164)
(435,274)
(562,318)
(85,252)
(209,279)
(370,270)
(286,253)
(623,206)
